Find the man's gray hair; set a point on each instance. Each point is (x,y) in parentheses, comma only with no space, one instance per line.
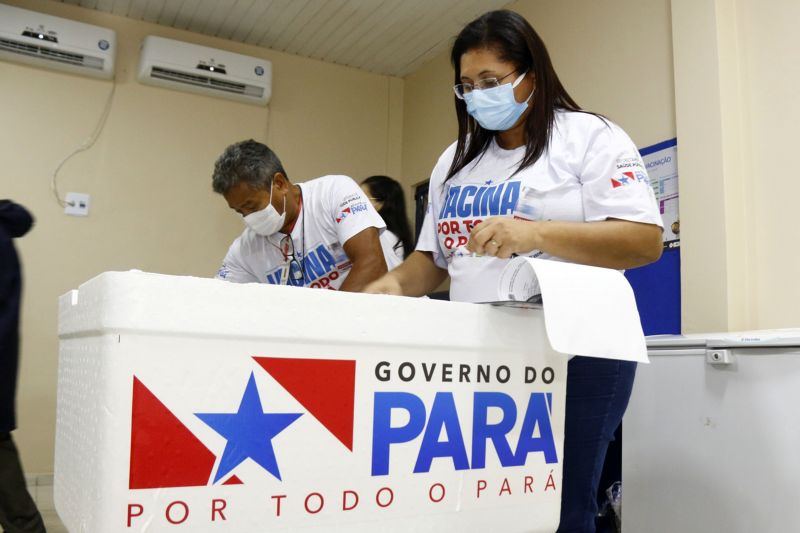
(248,161)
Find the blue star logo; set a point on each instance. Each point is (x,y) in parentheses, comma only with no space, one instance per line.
(249,433)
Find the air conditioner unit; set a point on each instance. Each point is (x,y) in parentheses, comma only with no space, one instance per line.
(53,42)
(198,69)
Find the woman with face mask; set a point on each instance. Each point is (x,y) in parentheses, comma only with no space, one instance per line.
(533,174)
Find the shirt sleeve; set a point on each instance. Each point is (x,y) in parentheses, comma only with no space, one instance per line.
(232,269)
(428,240)
(614,179)
(352,211)
(392,249)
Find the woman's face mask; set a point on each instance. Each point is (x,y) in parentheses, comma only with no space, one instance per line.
(267,221)
(496,109)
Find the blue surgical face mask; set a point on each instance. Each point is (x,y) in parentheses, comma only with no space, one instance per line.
(496,109)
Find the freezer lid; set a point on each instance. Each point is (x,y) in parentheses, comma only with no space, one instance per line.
(789,337)
(676,341)
(757,339)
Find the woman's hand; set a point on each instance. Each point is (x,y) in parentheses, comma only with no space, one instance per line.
(503,236)
(610,243)
(387,284)
(416,276)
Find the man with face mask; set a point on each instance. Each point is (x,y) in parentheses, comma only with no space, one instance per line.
(323,233)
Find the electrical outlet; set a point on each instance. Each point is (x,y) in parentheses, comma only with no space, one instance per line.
(77,204)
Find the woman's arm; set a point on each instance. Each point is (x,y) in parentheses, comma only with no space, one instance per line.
(417,276)
(611,243)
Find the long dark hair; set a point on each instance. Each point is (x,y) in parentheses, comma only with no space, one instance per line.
(393,211)
(515,41)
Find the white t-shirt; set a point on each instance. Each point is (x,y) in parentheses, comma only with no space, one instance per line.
(334,209)
(393,249)
(591,172)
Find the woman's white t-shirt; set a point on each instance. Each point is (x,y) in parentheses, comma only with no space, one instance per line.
(393,250)
(591,171)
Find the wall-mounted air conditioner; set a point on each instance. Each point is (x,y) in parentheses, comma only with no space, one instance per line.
(198,69)
(53,42)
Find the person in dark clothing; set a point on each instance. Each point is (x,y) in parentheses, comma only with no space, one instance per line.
(18,512)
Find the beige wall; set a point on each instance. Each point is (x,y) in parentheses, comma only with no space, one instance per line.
(770,76)
(699,84)
(149,174)
(429,119)
(737,74)
(614,57)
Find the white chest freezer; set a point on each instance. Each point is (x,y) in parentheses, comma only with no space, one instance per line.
(711,437)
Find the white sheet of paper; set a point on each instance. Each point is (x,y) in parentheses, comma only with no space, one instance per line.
(518,282)
(588,311)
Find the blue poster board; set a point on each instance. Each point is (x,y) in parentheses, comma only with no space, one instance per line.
(657,286)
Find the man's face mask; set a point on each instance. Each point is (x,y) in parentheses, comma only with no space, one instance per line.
(267,221)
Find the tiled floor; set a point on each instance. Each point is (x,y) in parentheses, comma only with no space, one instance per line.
(41,489)
(52,522)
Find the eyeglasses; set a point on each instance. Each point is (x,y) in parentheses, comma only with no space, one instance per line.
(487,83)
(296,270)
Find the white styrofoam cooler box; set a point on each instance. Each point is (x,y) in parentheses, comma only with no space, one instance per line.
(195,404)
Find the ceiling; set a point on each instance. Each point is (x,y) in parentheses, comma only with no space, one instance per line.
(393,37)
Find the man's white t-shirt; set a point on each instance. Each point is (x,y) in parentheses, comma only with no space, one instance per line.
(393,250)
(334,209)
(591,171)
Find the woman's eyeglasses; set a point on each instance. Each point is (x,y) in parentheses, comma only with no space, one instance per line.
(487,83)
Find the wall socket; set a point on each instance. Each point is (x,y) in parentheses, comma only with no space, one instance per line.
(77,204)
